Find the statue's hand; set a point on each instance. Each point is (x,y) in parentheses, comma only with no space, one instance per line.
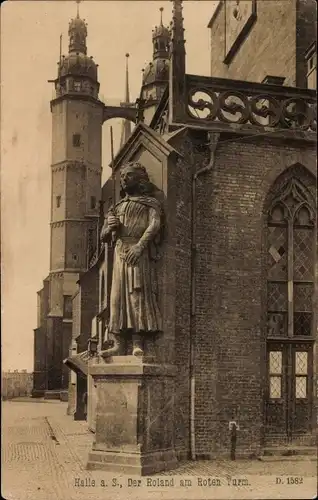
(133,254)
(113,222)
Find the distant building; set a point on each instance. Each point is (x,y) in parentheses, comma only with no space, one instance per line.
(15,384)
(235,156)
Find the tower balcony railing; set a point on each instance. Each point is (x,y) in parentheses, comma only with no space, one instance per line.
(245,107)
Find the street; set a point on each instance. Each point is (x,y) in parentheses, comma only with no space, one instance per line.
(44,455)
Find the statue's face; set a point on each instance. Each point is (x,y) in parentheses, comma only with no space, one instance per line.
(129,179)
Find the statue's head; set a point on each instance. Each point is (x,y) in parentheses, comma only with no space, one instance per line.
(134,178)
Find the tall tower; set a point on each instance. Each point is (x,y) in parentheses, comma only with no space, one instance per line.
(77,117)
(156,74)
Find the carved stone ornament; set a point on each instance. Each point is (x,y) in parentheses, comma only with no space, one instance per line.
(228,102)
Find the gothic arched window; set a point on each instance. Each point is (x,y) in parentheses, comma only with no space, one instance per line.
(291,252)
(291,229)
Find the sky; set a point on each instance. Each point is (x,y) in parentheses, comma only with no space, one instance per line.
(30,33)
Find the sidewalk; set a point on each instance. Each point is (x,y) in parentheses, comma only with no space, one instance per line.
(29,399)
(260,475)
(44,455)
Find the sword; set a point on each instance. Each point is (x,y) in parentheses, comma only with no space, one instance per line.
(113,179)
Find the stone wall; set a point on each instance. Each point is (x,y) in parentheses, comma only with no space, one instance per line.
(54,352)
(306,34)
(40,347)
(89,305)
(274,46)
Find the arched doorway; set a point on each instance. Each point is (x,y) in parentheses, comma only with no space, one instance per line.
(291,254)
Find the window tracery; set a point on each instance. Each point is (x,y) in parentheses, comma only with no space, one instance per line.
(290,259)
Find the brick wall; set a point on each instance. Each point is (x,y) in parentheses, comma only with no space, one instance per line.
(182,304)
(180,204)
(230,338)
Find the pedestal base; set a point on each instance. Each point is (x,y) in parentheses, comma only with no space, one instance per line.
(64,396)
(134,417)
(142,464)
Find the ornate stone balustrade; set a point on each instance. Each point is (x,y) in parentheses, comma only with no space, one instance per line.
(245,107)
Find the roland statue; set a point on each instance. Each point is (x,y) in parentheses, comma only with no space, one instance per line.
(135,224)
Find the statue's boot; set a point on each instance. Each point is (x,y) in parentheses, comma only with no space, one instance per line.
(117,349)
(138,349)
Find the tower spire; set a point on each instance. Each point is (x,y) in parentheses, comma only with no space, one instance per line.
(177,64)
(126,125)
(127,98)
(161,11)
(160,39)
(177,29)
(77,13)
(77,33)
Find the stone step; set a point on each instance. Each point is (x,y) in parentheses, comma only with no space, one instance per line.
(52,394)
(33,400)
(289,451)
(309,439)
(62,395)
(291,458)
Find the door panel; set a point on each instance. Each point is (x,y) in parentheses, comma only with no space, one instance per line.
(289,390)
(276,404)
(302,389)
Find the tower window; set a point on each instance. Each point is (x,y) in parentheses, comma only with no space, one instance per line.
(74,256)
(93,202)
(58,201)
(310,63)
(77,86)
(312,72)
(76,140)
(311,58)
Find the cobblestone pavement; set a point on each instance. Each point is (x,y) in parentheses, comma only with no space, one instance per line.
(44,454)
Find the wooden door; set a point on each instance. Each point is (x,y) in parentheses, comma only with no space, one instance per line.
(289,390)
(302,389)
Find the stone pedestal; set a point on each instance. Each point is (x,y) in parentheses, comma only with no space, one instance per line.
(134,416)
(91,404)
(64,396)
